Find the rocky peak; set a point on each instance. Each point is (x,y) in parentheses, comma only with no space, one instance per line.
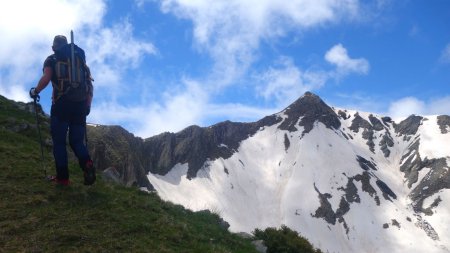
(409,126)
(308,109)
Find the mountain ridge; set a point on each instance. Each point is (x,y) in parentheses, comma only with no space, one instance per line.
(224,132)
(346,162)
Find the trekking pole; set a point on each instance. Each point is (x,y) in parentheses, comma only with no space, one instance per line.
(85,136)
(35,100)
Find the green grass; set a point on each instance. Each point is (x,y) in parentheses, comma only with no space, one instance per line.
(37,216)
(284,240)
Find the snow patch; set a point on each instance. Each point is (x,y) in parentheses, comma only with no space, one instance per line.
(433,144)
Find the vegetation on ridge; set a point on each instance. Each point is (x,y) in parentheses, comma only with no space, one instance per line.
(284,240)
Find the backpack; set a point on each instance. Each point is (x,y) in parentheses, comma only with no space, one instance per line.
(72,84)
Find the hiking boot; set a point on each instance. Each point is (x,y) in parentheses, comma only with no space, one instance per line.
(57,181)
(89,173)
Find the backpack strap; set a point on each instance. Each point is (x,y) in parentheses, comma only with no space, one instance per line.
(63,77)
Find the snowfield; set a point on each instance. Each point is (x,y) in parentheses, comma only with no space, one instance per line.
(314,183)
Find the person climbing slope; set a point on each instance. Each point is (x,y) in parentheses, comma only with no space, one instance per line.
(71,103)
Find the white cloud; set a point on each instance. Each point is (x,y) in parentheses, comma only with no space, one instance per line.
(27,35)
(406,106)
(445,55)
(187,105)
(179,109)
(287,82)
(338,56)
(230,31)
(411,105)
(110,53)
(117,46)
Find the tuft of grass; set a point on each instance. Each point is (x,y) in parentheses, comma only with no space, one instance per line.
(37,216)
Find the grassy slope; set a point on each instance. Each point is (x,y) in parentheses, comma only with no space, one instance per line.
(36,216)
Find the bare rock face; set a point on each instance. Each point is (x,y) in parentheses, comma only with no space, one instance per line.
(134,158)
(194,145)
(114,147)
(370,129)
(444,123)
(306,111)
(436,179)
(409,126)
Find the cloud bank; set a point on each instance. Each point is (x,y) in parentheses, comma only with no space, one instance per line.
(411,105)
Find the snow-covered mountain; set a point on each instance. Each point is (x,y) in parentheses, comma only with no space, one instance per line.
(348,181)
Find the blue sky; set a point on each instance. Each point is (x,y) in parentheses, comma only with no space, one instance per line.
(162,65)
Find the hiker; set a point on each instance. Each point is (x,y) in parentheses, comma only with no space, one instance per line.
(70,105)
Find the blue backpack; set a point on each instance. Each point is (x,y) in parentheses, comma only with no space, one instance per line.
(73,75)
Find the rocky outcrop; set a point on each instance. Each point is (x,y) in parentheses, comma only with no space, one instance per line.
(343,114)
(368,130)
(409,126)
(114,147)
(306,111)
(325,211)
(195,145)
(444,123)
(376,123)
(386,143)
(411,162)
(387,192)
(365,164)
(436,179)
(364,178)
(287,143)
(134,158)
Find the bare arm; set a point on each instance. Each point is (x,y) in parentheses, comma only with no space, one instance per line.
(45,79)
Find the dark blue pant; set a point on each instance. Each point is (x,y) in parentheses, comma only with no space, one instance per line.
(68,116)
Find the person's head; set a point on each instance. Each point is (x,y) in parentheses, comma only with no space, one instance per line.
(59,41)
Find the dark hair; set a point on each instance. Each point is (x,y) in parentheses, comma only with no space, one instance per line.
(59,41)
